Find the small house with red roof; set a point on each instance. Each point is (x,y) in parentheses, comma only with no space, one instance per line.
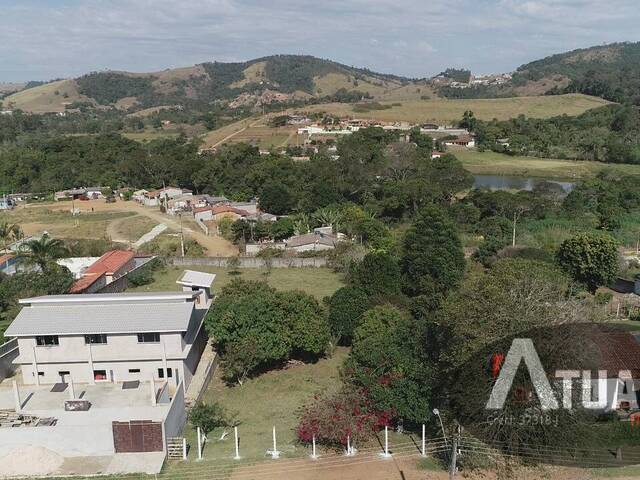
(109,267)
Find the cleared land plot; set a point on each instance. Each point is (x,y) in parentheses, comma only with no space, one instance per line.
(265,137)
(446,111)
(319,282)
(60,223)
(227,132)
(131,229)
(272,398)
(492,163)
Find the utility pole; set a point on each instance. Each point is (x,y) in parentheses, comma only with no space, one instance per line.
(513,240)
(454,454)
(181,236)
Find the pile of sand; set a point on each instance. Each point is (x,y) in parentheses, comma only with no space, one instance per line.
(30,461)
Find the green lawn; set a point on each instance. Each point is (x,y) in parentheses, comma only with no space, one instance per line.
(273,398)
(319,282)
(492,163)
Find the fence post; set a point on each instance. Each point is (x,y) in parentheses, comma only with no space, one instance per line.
(184,448)
(424,441)
(313,447)
(386,453)
(199,444)
(275,453)
(237,441)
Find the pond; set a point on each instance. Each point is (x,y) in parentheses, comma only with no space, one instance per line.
(507,182)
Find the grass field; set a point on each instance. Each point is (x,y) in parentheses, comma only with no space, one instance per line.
(60,222)
(492,163)
(319,282)
(272,398)
(265,137)
(447,111)
(50,97)
(131,228)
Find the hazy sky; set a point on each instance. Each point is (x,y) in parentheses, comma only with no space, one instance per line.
(44,39)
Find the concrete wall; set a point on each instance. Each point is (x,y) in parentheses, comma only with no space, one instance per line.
(177,415)
(118,356)
(116,371)
(73,348)
(248,262)
(8,353)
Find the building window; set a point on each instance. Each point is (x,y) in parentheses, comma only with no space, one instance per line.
(134,370)
(624,388)
(148,338)
(161,373)
(93,339)
(100,375)
(47,340)
(41,374)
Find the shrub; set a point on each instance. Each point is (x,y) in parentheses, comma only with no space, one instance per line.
(332,417)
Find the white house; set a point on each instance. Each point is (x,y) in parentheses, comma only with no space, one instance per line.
(92,338)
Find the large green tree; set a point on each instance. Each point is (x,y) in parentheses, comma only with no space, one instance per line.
(346,307)
(590,259)
(389,361)
(255,327)
(433,262)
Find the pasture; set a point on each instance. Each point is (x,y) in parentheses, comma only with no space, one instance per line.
(492,163)
(444,111)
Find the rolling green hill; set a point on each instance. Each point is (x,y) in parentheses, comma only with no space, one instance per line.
(278,78)
(609,71)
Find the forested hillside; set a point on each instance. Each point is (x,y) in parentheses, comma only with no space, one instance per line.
(608,134)
(295,77)
(610,71)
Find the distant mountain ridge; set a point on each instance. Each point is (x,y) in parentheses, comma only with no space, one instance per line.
(286,77)
(608,71)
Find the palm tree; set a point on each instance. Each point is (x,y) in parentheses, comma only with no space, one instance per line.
(301,224)
(328,217)
(9,233)
(44,251)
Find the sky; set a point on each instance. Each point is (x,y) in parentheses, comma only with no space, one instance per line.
(46,39)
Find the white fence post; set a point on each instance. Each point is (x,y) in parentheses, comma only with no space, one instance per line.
(275,453)
(386,453)
(313,447)
(237,441)
(199,444)
(184,448)
(424,441)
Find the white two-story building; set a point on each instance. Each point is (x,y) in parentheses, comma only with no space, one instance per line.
(120,337)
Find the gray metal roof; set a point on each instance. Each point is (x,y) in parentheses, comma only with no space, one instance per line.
(103,313)
(105,317)
(107,298)
(311,238)
(197,279)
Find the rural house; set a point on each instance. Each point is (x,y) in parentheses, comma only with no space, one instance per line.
(109,267)
(315,241)
(118,337)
